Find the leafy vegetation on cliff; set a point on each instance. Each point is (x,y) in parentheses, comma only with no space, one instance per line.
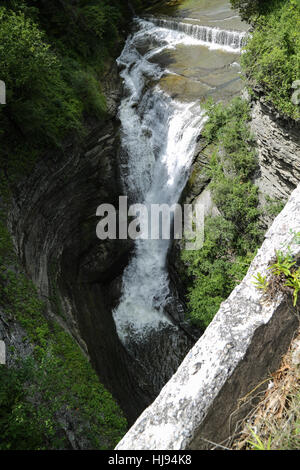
(272,54)
(53,385)
(53,58)
(232,237)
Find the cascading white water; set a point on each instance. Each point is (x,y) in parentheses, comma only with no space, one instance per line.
(231,41)
(158,137)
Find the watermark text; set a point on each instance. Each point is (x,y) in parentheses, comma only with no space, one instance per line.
(152,222)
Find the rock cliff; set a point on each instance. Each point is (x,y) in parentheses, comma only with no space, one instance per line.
(278,144)
(203,402)
(53,222)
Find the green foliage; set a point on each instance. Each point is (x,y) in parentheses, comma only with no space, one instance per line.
(25,57)
(283,264)
(231,239)
(274,206)
(56,380)
(220,115)
(6,245)
(283,272)
(250,9)
(23,425)
(53,56)
(215,269)
(257,444)
(89,92)
(272,54)
(293,281)
(101,19)
(228,125)
(40,103)
(238,202)
(284,267)
(261,282)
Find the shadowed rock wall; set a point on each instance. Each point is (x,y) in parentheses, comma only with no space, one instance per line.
(242,345)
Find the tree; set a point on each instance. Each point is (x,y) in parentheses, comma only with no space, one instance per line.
(24,55)
(248,9)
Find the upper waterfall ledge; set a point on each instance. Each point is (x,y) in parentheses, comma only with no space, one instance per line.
(202,402)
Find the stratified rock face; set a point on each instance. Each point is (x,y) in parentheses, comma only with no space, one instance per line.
(278,144)
(203,401)
(53,222)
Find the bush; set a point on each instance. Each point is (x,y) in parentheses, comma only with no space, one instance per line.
(272,55)
(250,9)
(231,239)
(40,103)
(237,201)
(89,92)
(55,380)
(215,269)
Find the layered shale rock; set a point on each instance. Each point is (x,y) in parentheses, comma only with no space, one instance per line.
(53,222)
(278,145)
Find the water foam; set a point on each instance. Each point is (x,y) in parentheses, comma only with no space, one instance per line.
(158,136)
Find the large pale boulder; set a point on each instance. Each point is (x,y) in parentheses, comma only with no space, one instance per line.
(204,401)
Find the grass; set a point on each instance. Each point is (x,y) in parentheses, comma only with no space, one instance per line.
(274,424)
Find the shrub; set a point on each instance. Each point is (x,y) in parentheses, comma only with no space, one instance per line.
(250,9)
(272,55)
(215,270)
(55,380)
(41,106)
(231,239)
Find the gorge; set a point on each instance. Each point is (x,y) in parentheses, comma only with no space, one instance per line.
(125,304)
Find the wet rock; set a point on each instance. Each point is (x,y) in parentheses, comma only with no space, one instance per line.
(159,354)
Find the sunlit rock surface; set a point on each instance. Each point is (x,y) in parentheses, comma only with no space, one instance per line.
(245,342)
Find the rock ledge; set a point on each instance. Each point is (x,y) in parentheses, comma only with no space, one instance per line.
(244,343)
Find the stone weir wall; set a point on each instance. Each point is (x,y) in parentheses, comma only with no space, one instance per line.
(203,402)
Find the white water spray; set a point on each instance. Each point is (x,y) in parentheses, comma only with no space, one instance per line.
(159,136)
(212,37)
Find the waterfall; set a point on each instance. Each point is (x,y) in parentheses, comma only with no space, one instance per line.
(213,37)
(158,173)
(158,140)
